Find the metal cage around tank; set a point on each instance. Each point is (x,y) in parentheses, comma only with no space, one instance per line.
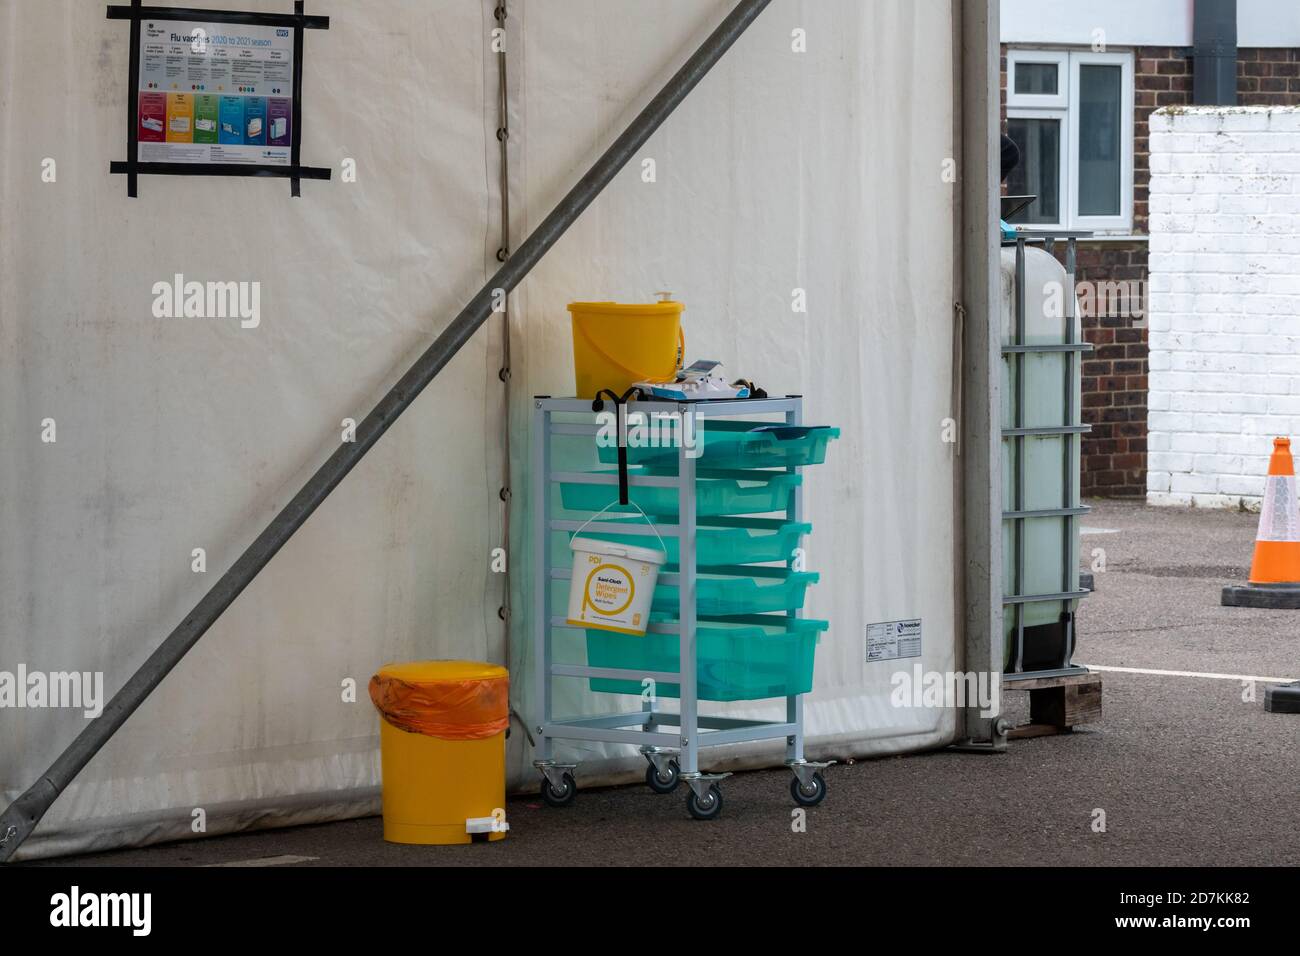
(1017,598)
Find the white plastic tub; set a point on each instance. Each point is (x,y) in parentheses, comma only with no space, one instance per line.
(613,585)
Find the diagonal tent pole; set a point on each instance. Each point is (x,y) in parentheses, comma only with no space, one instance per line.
(18,821)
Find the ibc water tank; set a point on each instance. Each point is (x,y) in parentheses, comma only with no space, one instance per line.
(1042,429)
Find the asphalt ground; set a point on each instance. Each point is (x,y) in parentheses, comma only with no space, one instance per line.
(1189,770)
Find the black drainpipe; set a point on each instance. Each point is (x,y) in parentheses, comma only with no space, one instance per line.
(1214,76)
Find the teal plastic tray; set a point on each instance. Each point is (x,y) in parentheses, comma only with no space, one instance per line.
(727,443)
(762,493)
(721,541)
(753,658)
(741,593)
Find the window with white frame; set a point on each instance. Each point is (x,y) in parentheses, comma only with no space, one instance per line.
(1071,114)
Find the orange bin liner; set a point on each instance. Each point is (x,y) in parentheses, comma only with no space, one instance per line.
(452,700)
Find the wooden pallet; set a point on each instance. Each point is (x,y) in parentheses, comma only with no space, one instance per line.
(1057,704)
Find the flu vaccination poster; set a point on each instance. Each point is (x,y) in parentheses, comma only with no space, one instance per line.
(215,93)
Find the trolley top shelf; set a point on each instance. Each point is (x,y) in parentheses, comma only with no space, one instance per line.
(715,406)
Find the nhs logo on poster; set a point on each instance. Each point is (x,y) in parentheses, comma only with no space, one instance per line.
(282,33)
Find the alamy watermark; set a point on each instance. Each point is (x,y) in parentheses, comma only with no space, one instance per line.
(1106,299)
(654,430)
(946,689)
(180,299)
(79,690)
(133,911)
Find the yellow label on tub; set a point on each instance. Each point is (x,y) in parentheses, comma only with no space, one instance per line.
(609,590)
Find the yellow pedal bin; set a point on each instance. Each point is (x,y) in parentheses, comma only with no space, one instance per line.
(442,733)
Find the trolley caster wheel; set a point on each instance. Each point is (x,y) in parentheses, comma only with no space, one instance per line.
(708,808)
(561,797)
(657,781)
(810,795)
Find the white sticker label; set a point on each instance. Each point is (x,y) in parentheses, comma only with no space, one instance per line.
(894,640)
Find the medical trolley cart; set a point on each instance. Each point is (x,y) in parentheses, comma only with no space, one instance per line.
(724,494)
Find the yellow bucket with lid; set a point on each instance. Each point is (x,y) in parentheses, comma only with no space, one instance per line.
(616,345)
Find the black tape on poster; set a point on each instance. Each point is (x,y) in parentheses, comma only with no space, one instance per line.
(133,167)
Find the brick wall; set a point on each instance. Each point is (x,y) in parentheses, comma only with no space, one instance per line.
(1225,300)
(1162,76)
(1114,378)
(1115,375)
(1268,77)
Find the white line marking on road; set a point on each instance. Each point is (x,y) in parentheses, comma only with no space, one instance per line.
(1086,530)
(268,861)
(1156,673)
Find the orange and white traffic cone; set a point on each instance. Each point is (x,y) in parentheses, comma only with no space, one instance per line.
(1275,572)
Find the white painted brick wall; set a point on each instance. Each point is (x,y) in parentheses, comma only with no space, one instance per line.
(1224,301)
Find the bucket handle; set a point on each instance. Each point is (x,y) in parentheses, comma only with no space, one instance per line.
(612,504)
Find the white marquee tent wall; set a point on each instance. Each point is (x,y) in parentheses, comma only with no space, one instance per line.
(820,171)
